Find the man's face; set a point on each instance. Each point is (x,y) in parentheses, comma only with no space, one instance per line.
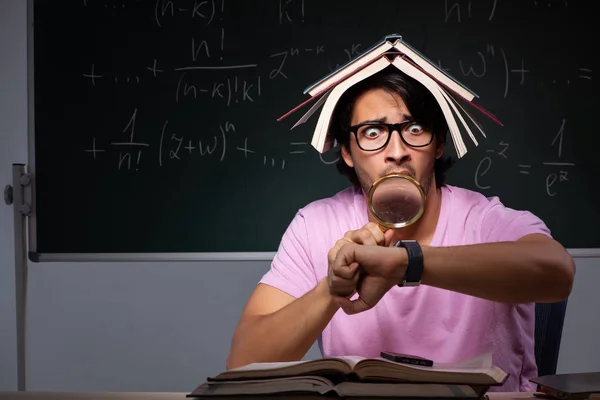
(397,156)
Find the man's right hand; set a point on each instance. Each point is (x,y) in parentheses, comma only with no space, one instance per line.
(370,235)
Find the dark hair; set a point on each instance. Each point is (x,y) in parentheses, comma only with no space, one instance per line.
(419,101)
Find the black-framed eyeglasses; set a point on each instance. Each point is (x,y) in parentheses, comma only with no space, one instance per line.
(372,136)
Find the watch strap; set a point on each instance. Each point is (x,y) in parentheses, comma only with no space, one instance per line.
(414,269)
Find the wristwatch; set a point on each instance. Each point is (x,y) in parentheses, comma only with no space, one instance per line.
(414,270)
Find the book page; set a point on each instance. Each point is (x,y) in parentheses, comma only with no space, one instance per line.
(308,384)
(434,70)
(351,360)
(349,68)
(451,101)
(481,363)
(320,140)
(474,371)
(261,370)
(312,110)
(266,365)
(397,390)
(434,88)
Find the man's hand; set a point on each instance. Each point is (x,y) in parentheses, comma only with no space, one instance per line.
(373,269)
(344,284)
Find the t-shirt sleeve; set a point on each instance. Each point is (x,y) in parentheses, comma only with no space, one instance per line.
(292,270)
(501,224)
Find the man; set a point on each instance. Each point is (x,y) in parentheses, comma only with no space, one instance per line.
(335,275)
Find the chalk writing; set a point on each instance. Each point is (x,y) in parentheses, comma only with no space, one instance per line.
(216,67)
(323,158)
(198,10)
(558,139)
(94,150)
(266,160)
(173,146)
(559,170)
(563,173)
(582,74)
(273,161)
(154,68)
(559,174)
(282,56)
(585,73)
(291,11)
(185,96)
(348,53)
(478,67)
(131,145)
(486,163)
(454,8)
(152,71)
(192,84)
(203,44)
(92,75)
(296,145)
(231,90)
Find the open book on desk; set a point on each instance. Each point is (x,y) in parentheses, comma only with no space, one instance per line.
(353,376)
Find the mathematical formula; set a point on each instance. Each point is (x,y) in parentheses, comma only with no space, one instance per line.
(131,153)
(553,171)
(245,83)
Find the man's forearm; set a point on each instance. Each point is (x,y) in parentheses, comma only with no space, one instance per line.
(512,272)
(285,335)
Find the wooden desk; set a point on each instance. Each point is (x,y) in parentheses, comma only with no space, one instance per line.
(167,396)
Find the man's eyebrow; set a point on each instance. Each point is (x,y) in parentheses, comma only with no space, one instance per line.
(373,121)
(405,117)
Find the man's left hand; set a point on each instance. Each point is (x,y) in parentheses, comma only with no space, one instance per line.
(380,268)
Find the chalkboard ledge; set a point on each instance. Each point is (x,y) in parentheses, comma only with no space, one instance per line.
(233,256)
(112,257)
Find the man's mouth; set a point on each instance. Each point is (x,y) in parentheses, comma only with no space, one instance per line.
(401,172)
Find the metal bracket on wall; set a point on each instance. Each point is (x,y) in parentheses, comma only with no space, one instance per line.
(8,195)
(16,195)
(25,208)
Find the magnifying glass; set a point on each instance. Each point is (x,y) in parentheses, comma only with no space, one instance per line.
(396,201)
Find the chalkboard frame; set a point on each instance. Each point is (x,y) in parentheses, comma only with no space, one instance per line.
(31,198)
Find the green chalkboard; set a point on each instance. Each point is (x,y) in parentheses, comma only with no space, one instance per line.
(154,122)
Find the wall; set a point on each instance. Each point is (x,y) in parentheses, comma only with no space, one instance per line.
(107,326)
(579,351)
(151,326)
(13,149)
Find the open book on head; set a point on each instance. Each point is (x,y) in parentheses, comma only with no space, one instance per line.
(390,43)
(351,375)
(393,52)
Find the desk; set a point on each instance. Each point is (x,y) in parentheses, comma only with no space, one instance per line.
(168,396)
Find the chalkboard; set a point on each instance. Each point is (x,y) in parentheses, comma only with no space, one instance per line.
(154,122)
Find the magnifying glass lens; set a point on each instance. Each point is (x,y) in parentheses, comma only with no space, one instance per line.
(396,201)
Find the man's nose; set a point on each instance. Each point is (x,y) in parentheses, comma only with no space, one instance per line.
(396,150)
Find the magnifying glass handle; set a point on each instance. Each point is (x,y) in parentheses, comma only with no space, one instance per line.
(382,228)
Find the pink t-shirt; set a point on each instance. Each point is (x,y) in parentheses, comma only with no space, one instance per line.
(434,323)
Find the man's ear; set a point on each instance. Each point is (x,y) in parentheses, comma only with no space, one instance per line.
(439,150)
(347,157)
